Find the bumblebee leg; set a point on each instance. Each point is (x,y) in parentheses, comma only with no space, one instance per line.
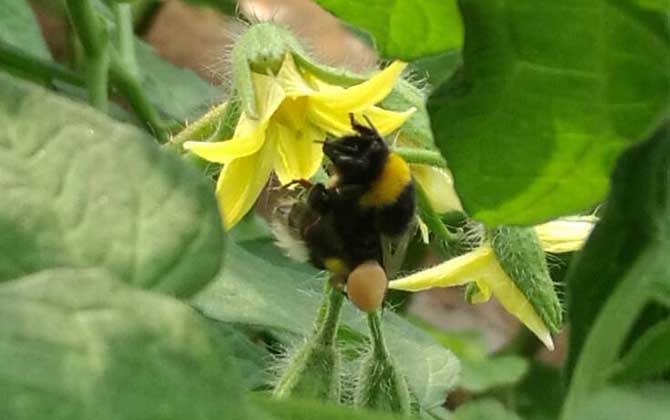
(319,198)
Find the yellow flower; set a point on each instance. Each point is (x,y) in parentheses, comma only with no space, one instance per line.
(438,185)
(482,267)
(295,109)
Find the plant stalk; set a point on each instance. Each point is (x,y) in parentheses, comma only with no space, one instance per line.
(94,39)
(420,156)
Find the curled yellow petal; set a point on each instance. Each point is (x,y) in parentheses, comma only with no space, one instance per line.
(338,123)
(481,266)
(439,187)
(363,95)
(241,182)
(565,235)
(516,303)
(291,80)
(249,137)
(454,272)
(269,95)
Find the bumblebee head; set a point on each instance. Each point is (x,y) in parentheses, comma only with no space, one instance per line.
(360,157)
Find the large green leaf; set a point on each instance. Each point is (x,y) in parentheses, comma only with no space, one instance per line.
(178,93)
(82,190)
(649,356)
(619,269)
(299,409)
(19,28)
(257,288)
(648,402)
(80,344)
(479,370)
(550,93)
(540,394)
(488,409)
(404,29)
(629,242)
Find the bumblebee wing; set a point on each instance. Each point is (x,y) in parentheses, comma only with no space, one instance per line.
(394,249)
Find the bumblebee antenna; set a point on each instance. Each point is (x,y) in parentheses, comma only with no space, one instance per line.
(360,128)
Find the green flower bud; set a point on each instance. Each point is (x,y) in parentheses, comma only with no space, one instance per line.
(521,257)
(380,384)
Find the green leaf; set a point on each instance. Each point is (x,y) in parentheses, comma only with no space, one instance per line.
(302,409)
(547,98)
(627,246)
(488,409)
(616,274)
(177,92)
(479,371)
(540,394)
(404,29)
(250,359)
(80,344)
(649,356)
(648,402)
(81,190)
(437,68)
(255,289)
(18,28)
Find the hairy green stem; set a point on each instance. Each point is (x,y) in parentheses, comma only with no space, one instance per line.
(376,335)
(94,38)
(380,384)
(329,315)
(420,156)
(35,69)
(203,126)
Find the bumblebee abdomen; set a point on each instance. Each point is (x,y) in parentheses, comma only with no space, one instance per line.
(393,219)
(389,185)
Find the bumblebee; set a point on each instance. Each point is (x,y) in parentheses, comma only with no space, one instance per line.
(370,196)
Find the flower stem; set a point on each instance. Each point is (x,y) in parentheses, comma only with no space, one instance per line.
(433,220)
(203,126)
(421,156)
(125,36)
(35,69)
(129,86)
(95,42)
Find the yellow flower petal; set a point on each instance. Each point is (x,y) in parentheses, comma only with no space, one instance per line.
(241,182)
(482,293)
(454,272)
(439,187)
(291,80)
(565,235)
(250,135)
(423,228)
(516,303)
(481,266)
(298,156)
(339,124)
(361,96)
(269,95)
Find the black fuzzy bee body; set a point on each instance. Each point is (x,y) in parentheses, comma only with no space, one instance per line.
(342,225)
